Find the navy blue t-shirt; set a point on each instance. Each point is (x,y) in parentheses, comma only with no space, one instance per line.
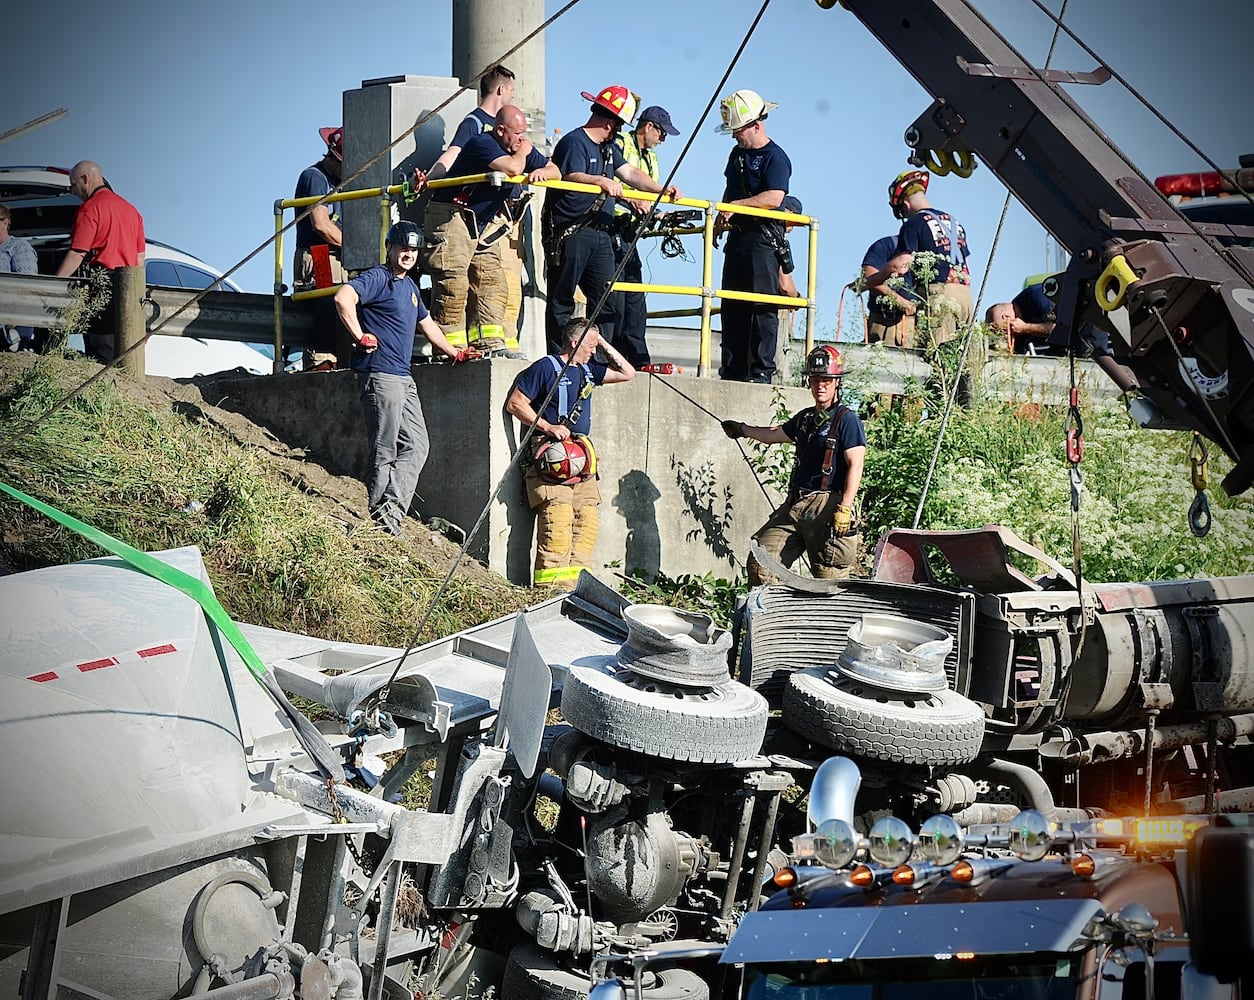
(878,255)
(391,309)
(538,378)
(312,183)
(577,154)
(932,231)
(475,123)
(1033,305)
(809,430)
(484,199)
(752,171)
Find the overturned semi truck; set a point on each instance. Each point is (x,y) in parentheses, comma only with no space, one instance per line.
(173,829)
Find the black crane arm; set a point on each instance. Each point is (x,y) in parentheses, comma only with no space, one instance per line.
(1176,297)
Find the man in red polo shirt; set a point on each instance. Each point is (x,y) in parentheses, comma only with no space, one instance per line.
(108,233)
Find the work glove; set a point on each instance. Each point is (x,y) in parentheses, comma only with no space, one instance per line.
(466,354)
(368,342)
(842,520)
(734,429)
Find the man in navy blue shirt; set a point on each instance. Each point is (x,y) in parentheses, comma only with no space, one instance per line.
(576,227)
(757,175)
(817,516)
(928,230)
(890,304)
(1027,320)
(381,310)
(566,505)
(467,229)
(496,89)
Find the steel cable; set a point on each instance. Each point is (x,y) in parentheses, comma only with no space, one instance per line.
(592,311)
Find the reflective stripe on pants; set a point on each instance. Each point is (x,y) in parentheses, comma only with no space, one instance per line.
(469,286)
(567,524)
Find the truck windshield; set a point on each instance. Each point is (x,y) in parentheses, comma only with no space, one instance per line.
(1035,977)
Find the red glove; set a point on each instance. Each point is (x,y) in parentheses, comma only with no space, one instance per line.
(368,341)
(467,354)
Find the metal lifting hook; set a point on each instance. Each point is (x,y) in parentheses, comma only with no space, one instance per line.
(1199,509)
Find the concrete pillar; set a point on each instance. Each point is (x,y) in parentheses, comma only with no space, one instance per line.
(128,318)
(374,115)
(483,31)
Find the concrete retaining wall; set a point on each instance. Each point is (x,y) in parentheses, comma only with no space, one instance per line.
(677,494)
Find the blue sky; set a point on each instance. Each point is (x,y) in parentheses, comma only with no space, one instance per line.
(202,115)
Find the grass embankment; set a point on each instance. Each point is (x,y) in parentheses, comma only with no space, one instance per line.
(163,476)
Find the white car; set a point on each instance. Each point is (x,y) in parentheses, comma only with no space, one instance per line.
(43,208)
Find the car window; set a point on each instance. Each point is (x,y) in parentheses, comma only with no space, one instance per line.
(195,277)
(161,272)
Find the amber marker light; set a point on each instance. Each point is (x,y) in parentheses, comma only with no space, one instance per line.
(862,877)
(785,878)
(962,871)
(1083,865)
(903,875)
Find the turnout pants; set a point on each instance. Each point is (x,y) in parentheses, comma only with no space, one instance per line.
(949,306)
(895,332)
(397,442)
(469,283)
(587,263)
(805,525)
(331,342)
(750,329)
(567,522)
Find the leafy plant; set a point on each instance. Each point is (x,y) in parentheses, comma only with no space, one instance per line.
(1005,463)
(705,593)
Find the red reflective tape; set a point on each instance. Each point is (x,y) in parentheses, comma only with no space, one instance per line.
(97,664)
(48,675)
(158,650)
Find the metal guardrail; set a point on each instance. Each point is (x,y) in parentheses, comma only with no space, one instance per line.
(39,300)
(706,291)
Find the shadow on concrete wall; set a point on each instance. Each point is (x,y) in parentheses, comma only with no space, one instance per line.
(428,145)
(637,504)
(708,504)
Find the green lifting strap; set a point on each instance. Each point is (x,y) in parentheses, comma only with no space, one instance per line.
(313,742)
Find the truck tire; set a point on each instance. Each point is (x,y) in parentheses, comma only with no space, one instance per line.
(715,725)
(942,727)
(531,973)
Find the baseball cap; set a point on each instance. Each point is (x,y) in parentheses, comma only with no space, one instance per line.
(660,117)
(791,204)
(333,136)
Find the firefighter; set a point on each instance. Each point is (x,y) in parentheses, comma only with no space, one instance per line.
(561,477)
(576,227)
(467,229)
(925,229)
(319,240)
(757,175)
(639,148)
(817,516)
(382,312)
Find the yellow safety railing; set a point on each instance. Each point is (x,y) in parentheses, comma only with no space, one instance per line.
(706,290)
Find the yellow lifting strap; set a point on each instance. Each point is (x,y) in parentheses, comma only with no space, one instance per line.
(945,162)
